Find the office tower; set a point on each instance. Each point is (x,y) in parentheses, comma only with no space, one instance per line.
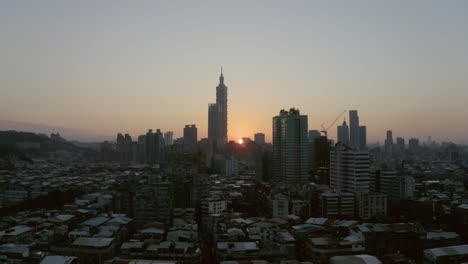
(313,134)
(190,135)
(362,137)
(353,129)
(142,148)
(217,116)
(413,145)
(290,147)
(221,101)
(389,142)
(168,138)
(155,153)
(213,127)
(259,138)
(349,169)
(400,145)
(343,133)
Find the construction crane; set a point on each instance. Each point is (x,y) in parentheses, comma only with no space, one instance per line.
(325,130)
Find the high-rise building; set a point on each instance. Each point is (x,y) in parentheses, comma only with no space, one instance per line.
(343,133)
(213,127)
(313,134)
(290,147)
(142,148)
(353,128)
(190,135)
(349,169)
(168,138)
(264,165)
(217,116)
(155,152)
(259,138)
(362,137)
(221,101)
(413,145)
(124,148)
(389,142)
(400,145)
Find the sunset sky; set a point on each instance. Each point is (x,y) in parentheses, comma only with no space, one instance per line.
(127,66)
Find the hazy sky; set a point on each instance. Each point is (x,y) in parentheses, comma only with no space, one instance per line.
(126,66)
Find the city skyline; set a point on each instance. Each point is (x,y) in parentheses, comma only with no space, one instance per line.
(109,69)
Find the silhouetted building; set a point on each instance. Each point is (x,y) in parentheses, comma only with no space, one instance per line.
(321,159)
(124,148)
(362,137)
(217,116)
(400,145)
(353,128)
(264,165)
(190,135)
(313,134)
(221,101)
(259,138)
(290,147)
(168,138)
(413,145)
(142,149)
(155,152)
(213,127)
(343,133)
(389,142)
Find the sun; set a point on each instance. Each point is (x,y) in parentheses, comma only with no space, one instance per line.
(240,141)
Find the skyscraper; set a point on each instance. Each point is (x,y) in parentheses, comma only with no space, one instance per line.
(353,129)
(413,145)
(213,127)
(168,138)
(362,137)
(400,145)
(389,142)
(190,135)
(290,147)
(217,116)
(221,101)
(259,138)
(154,147)
(343,133)
(349,169)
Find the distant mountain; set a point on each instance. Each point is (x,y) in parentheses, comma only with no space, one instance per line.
(69,133)
(33,144)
